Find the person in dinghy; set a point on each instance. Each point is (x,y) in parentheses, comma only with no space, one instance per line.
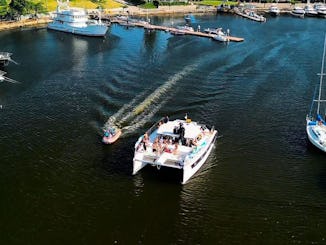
(111,135)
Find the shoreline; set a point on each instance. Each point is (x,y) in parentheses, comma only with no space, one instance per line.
(136,11)
(10,25)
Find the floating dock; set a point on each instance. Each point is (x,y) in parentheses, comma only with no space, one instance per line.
(172,29)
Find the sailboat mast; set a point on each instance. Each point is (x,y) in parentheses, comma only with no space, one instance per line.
(321,76)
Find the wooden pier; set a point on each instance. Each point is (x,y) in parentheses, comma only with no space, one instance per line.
(172,29)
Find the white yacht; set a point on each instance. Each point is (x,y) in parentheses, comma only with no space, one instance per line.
(178,144)
(321,9)
(220,36)
(310,11)
(274,10)
(76,21)
(298,12)
(316,125)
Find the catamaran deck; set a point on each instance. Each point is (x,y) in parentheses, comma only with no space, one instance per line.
(176,144)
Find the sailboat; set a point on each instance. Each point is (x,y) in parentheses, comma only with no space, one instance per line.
(316,125)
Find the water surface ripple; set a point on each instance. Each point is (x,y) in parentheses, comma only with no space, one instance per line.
(262,184)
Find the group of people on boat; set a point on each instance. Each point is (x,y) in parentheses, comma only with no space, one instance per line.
(167,143)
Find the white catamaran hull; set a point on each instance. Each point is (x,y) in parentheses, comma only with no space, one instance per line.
(190,169)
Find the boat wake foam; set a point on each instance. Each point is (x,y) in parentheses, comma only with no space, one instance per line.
(135,115)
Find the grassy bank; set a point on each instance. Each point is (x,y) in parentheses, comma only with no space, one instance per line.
(217,3)
(108,4)
(51,5)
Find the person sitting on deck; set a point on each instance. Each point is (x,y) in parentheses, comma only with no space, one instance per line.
(156,146)
(192,142)
(175,151)
(106,133)
(145,141)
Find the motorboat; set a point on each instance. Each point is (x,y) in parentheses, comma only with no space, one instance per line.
(179,144)
(185,28)
(111,135)
(214,30)
(189,18)
(310,11)
(274,10)
(177,32)
(316,125)
(250,13)
(321,9)
(5,58)
(298,12)
(76,21)
(219,35)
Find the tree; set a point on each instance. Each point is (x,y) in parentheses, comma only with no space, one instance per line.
(18,8)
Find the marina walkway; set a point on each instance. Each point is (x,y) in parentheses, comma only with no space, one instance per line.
(172,30)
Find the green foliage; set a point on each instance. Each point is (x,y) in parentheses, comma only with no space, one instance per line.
(217,3)
(148,5)
(18,7)
(36,8)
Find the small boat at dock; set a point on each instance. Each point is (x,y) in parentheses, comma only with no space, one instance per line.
(321,9)
(298,12)
(310,11)
(185,28)
(111,135)
(178,144)
(250,14)
(316,125)
(221,37)
(218,34)
(274,10)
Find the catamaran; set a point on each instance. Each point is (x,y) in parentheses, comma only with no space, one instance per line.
(316,125)
(178,144)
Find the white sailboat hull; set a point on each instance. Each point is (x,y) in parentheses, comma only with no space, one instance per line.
(316,134)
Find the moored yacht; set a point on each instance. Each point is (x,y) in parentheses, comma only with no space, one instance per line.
(310,11)
(298,12)
(76,21)
(274,10)
(321,9)
(178,144)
